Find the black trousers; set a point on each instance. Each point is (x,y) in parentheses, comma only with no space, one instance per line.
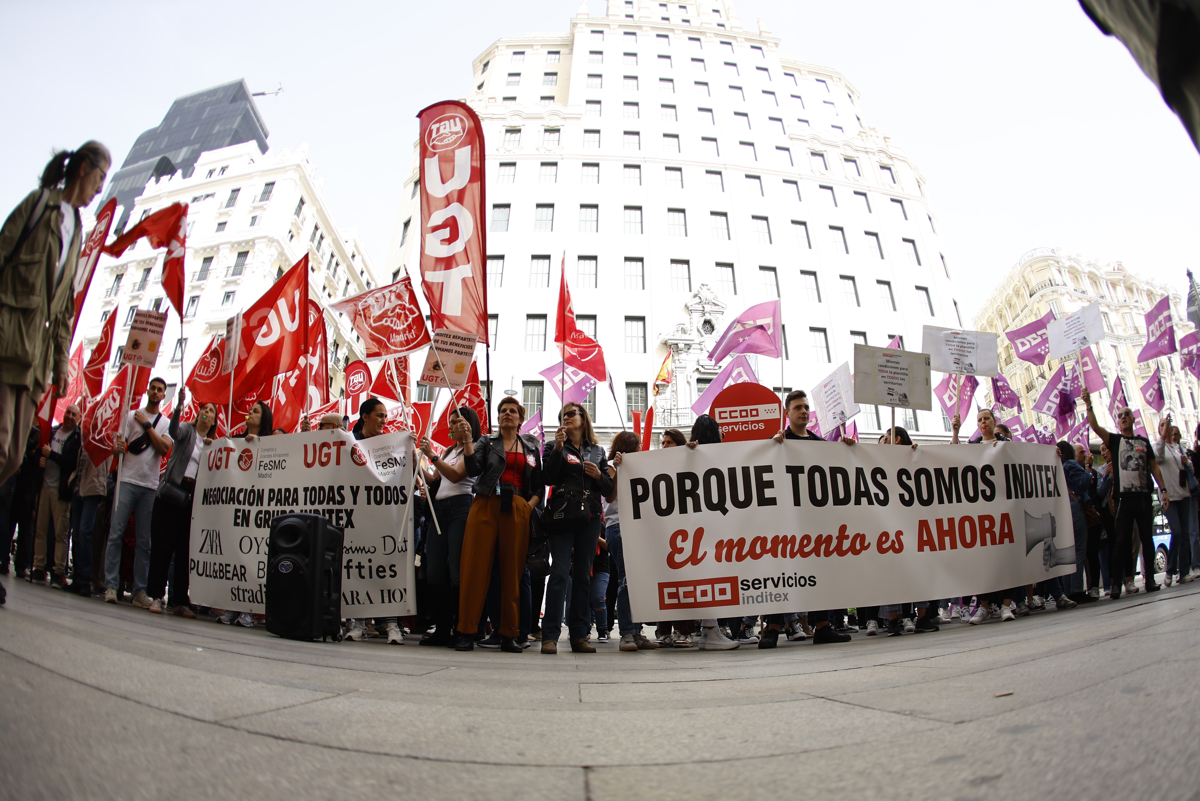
(170,529)
(1134,509)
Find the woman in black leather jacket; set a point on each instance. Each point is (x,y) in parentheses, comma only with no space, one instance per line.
(577,469)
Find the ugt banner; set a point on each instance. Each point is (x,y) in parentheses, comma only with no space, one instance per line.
(360,486)
(749,528)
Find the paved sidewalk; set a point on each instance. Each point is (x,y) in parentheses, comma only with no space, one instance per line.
(112,702)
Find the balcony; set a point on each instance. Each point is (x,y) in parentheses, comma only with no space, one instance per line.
(1038,287)
(141,285)
(112,292)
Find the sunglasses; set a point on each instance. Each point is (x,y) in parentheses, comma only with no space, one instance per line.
(567,415)
(1125,414)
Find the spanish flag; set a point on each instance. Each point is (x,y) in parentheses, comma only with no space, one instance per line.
(664,374)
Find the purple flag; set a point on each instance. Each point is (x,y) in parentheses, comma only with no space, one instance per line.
(1004,395)
(571,384)
(1189,353)
(1016,428)
(1152,391)
(1058,397)
(835,435)
(737,371)
(949,397)
(1092,377)
(814,427)
(894,344)
(1031,341)
(1117,400)
(852,430)
(756,330)
(1139,427)
(1079,434)
(534,426)
(1160,333)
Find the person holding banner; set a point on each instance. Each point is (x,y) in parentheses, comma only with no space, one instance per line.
(143,440)
(1132,465)
(39,249)
(988,429)
(507,468)
(452,504)
(259,423)
(576,467)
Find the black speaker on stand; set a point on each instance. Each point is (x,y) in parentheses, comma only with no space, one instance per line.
(304,578)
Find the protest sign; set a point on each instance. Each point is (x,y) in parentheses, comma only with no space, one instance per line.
(835,398)
(747,411)
(754,528)
(145,337)
(967,352)
(361,487)
(449,359)
(890,377)
(1075,331)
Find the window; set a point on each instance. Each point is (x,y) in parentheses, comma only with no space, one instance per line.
(662,38)
(633,177)
(535,332)
(635,334)
(933,228)
(635,273)
(597,36)
(698,64)
(669,113)
(702,89)
(792,187)
(512,137)
(549,79)
(595,81)
(514,79)
(663,61)
(117,360)
(759,50)
(589,219)
(873,243)
(633,140)
(551,137)
(227,299)
(518,57)
(553,56)
(670,143)
(681,276)
(192,304)
(500,217)
(495,272)
(850,290)
(720,225)
(899,204)
(631,111)
(885,294)
(823,84)
(729,65)
(831,196)
(589,403)
(726,279)
(592,108)
(694,41)
(548,173)
(239,263)
(715,180)
(852,170)
(958,314)
(770,281)
(911,251)
(635,399)
(770,96)
(818,161)
(762,229)
(674,177)
(585,272)
(812,289)
(820,344)
(709,144)
(596,57)
(177,354)
(531,397)
(543,217)
(676,222)
(508,101)
(539,271)
(268,189)
(737,93)
(629,59)
(591,174)
(233,196)
(300,205)
(839,238)
(785,156)
(507,174)
(741,118)
(755,184)
(802,123)
(630,83)
(587,324)
(763,72)
(791,78)
(800,231)
(838,128)
(253,220)
(888,174)
(633,220)
(666,86)
(221,226)
(858,337)
(728,45)
(205,268)
(924,299)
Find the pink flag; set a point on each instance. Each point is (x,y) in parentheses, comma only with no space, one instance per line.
(756,330)
(852,430)
(814,427)
(949,397)
(1016,428)
(1160,333)
(1004,394)
(534,426)
(1189,353)
(1117,401)
(1139,427)
(1079,434)
(1058,397)
(894,344)
(1152,391)
(835,435)
(571,383)
(1031,341)
(737,371)
(1093,379)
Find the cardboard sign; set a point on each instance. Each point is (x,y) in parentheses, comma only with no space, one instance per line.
(835,398)
(889,377)
(456,351)
(145,338)
(747,411)
(233,333)
(1076,331)
(966,352)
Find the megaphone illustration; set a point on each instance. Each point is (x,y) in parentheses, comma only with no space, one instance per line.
(1040,531)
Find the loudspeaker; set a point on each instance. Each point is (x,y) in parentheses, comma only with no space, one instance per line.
(1038,530)
(304,577)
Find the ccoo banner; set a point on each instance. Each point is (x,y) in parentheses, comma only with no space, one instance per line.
(751,528)
(361,487)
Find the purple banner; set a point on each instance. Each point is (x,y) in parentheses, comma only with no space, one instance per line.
(756,330)
(1031,341)
(534,426)
(1152,391)
(737,371)
(1093,379)
(1117,400)
(1058,398)
(950,397)
(1004,394)
(1160,333)
(1189,353)
(1017,429)
(571,384)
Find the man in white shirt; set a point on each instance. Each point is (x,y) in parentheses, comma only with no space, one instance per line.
(143,441)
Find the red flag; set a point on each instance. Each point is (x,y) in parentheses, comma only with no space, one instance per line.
(272,338)
(89,256)
(470,396)
(648,429)
(242,404)
(74,382)
(192,410)
(164,228)
(578,349)
(45,414)
(141,382)
(392,380)
(207,381)
(287,401)
(388,319)
(103,418)
(358,383)
(453,230)
(93,373)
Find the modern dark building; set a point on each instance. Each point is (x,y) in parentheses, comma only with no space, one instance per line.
(213,118)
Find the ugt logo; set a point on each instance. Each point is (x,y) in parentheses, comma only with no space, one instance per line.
(246,459)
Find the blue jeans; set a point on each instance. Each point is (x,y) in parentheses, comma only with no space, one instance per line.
(616,556)
(599,601)
(1179,518)
(571,554)
(139,502)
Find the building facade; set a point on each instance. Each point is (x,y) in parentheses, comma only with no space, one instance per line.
(1049,279)
(251,216)
(688,169)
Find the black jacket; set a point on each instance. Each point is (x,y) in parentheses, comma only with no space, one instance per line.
(486,465)
(67,461)
(565,467)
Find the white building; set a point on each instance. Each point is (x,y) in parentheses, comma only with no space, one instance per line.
(251,216)
(1051,279)
(689,170)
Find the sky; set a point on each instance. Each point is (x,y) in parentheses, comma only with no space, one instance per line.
(1032,129)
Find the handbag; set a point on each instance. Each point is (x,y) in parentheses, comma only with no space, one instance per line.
(568,506)
(174,494)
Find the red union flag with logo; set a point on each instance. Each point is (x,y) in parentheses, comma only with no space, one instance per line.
(103,418)
(388,319)
(89,256)
(272,339)
(453,234)
(93,371)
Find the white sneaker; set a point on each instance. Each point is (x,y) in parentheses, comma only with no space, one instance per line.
(872,628)
(981,614)
(1038,603)
(141,600)
(794,632)
(110,596)
(955,612)
(1006,613)
(1187,579)
(628,643)
(680,640)
(246,620)
(228,617)
(943,616)
(1094,592)
(714,640)
(1066,603)
(355,630)
(1131,588)
(394,634)
(909,626)
(156,606)
(748,636)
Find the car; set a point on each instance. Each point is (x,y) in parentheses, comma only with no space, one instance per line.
(1162,542)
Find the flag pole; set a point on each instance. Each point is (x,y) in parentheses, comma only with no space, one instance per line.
(124,419)
(562,325)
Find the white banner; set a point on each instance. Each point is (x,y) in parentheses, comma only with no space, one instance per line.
(892,377)
(753,528)
(361,487)
(835,399)
(968,352)
(145,335)
(1076,331)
